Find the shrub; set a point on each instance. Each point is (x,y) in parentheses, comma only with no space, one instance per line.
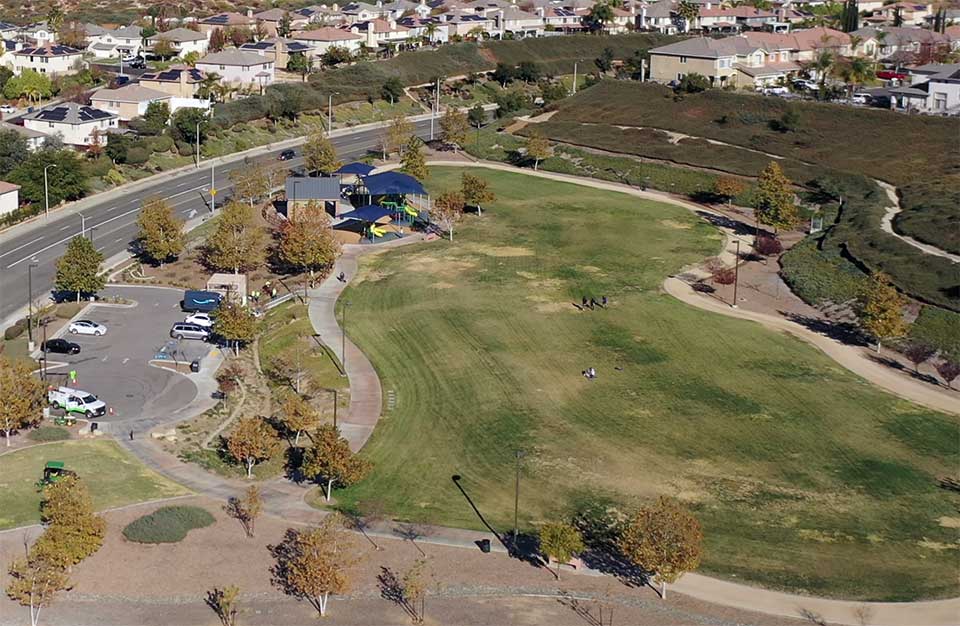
(137,155)
(49,433)
(169,524)
(768,246)
(184,148)
(12,332)
(938,328)
(162,143)
(99,166)
(817,277)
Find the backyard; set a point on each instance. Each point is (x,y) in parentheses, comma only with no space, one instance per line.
(114,478)
(804,476)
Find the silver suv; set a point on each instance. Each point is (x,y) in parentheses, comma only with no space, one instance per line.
(183,330)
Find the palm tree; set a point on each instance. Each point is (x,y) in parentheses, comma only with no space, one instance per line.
(430,30)
(476,33)
(208,86)
(689,12)
(858,71)
(822,63)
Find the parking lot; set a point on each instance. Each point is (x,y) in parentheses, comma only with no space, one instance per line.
(116,367)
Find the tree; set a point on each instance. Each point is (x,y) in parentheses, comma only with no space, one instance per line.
(477,117)
(311,564)
(881,310)
(252,183)
(251,441)
(399,134)
(246,509)
(285,27)
(454,126)
(604,62)
(664,539)
(55,18)
(330,459)
(66,181)
(235,323)
(191,58)
(298,415)
(689,11)
(693,83)
(307,242)
(298,63)
(34,582)
(918,353)
(503,74)
(538,148)
(239,35)
(949,371)
(560,541)
(335,55)
(600,15)
(822,63)
(766,245)
(475,191)
(155,118)
(21,395)
(727,188)
(78,270)
(392,90)
(14,150)
(73,35)
(850,18)
(74,531)
(773,199)
(237,243)
(183,125)
(161,232)
(163,48)
(447,210)
(413,162)
(529,71)
(217,40)
(30,84)
(414,589)
(319,154)
(223,602)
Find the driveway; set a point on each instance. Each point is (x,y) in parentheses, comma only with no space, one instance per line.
(116,367)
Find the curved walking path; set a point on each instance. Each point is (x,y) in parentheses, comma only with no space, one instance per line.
(284,499)
(886,224)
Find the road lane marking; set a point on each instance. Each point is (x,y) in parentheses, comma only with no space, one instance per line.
(65,227)
(124,362)
(19,247)
(118,239)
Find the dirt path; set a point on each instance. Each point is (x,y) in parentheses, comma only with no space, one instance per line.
(887,225)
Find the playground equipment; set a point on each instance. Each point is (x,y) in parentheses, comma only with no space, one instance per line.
(53,472)
(377,231)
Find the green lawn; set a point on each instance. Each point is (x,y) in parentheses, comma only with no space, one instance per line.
(805,477)
(115,478)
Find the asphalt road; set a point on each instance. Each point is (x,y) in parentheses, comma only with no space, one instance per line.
(115,367)
(112,223)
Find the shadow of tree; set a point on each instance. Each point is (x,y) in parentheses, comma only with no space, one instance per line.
(845,332)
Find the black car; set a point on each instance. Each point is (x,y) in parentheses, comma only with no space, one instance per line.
(60,345)
(138,63)
(286,155)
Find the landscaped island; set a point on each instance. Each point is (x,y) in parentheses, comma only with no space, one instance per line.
(804,476)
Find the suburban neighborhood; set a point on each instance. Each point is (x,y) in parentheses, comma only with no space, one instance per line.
(480,312)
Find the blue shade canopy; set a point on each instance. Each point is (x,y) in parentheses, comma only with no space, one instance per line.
(369,213)
(358,168)
(393,183)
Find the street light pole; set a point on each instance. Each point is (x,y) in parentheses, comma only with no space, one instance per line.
(330,111)
(516,503)
(46,190)
(435,109)
(198,146)
(736,275)
(575,77)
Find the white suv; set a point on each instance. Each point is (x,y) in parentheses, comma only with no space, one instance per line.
(200,319)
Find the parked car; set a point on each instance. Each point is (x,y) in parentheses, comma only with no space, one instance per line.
(138,63)
(774,90)
(7,109)
(861,98)
(129,58)
(195,300)
(806,84)
(86,327)
(61,346)
(76,401)
(183,330)
(287,155)
(891,75)
(200,319)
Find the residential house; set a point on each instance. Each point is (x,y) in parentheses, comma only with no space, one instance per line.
(420,27)
(908,45)
(361,12)
(934,89)
(466,23)
(279,49)
(239,67)
(661,16)
(120,42)
(729,61)
(321,14)
(77,124)
(272,18)
(8,30)
(559,18)
(38,34)
(322,39)
(181,81)
(50,59)
(911,13)
(9,197)
(182,40)
(34,138)
(129,101)
(302,190)
(513,19)
(225,21)
(734,18)
(381,32)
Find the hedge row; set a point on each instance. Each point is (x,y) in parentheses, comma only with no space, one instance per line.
(169,524)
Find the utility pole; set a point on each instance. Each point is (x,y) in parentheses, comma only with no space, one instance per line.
(575,77)
(198,146)
(43,348)
(736,275)
(213,188)
(330,111)
(46,190)
(435,108)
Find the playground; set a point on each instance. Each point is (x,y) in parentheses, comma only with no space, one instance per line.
(388,205)
(805,477)
(114,477)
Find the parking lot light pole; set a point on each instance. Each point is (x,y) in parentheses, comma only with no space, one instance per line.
(30,304)
(83,225)
(46,190)
(198,145)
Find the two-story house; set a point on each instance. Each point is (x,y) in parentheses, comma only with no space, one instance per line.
(326,37)
(225,21)
(50,59)
(182,41)
(77,124)
(120,42)
(933,89)
(239,67)
(380,32)
(279,49)
(181,81)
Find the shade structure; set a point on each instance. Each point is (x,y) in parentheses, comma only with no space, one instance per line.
(357,168)
(393,183)
(369,213)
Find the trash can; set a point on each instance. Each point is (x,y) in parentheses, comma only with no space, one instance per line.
(95,426)
(195,365)
(485,546)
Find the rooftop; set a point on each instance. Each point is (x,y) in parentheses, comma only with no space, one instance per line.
(70,113)
(312,188)
(234,57)
(130,93)
(327,33)
(49,50)
(179,35)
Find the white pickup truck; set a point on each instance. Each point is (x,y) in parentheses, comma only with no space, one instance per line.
(76,401)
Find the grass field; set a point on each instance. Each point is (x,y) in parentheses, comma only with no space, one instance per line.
(804,476)
(114,477)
